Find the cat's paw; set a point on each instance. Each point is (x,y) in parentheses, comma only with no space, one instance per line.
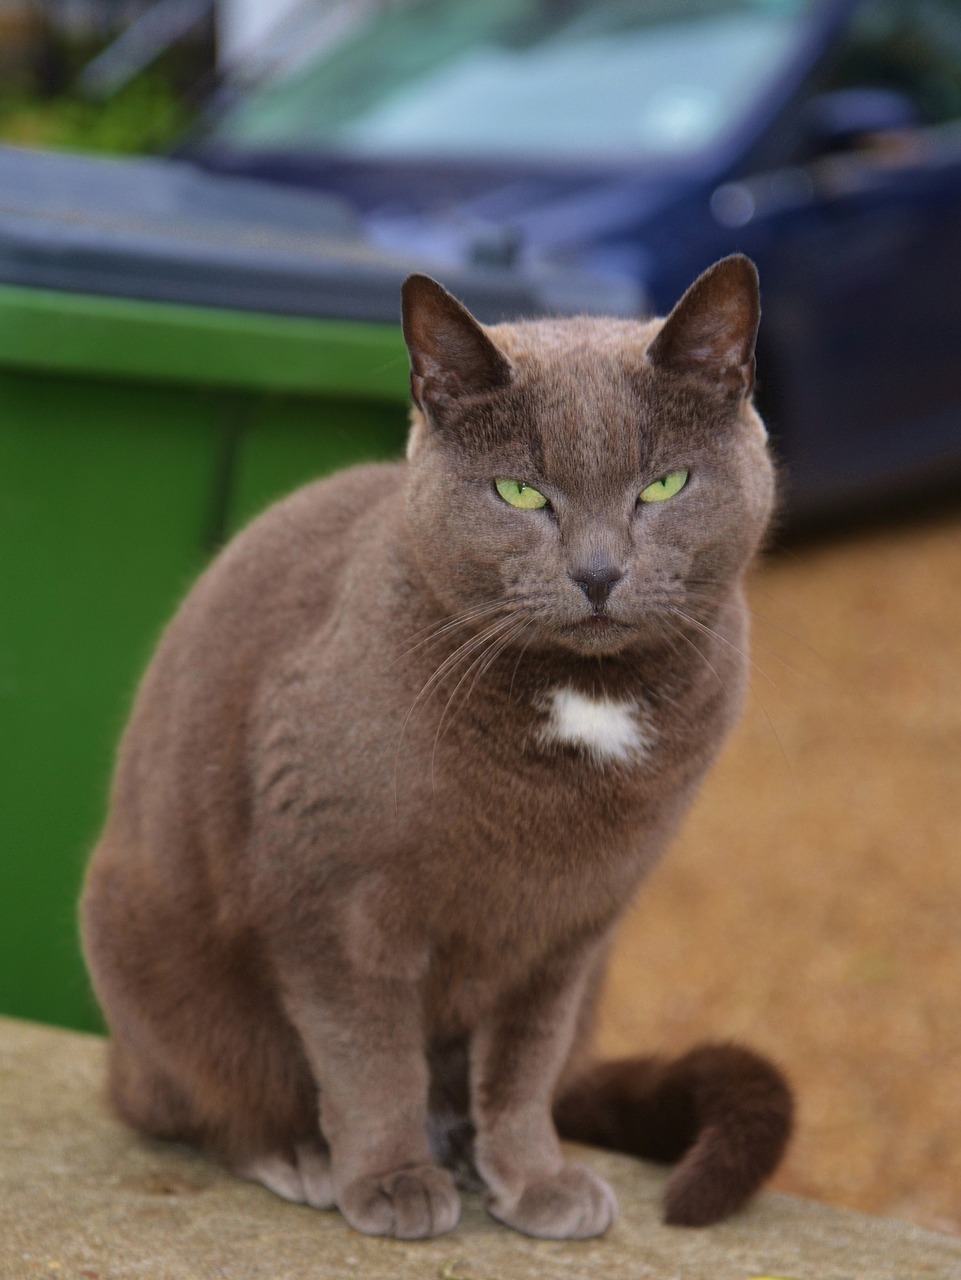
(571,1205)
(303,1177)
(411,1203)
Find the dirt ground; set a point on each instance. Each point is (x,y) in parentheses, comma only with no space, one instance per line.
(812,905)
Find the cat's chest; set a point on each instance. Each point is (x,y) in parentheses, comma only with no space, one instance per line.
(573,759)
(562,735)
(603,730)
(567,767)
(590,774)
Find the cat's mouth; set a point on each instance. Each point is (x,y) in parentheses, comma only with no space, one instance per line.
(598,633)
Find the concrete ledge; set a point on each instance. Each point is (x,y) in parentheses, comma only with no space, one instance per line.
(83,1199)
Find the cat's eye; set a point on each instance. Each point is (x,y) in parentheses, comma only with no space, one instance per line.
(664,488)
(520,495)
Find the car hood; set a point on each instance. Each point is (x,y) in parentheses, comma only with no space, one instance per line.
(582,223)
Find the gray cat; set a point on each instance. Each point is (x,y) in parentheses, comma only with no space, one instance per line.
(400,763)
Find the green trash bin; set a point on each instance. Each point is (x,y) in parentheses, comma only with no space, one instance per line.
(176,349)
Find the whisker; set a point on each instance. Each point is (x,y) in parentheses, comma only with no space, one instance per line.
(483,662)
(479,665)
(697,649)
(453,659)
(754,588)
(437,630)
(723,639)
(716,635)
(665,635)
(520,655)
(445,668)
(503,644)
(768,621)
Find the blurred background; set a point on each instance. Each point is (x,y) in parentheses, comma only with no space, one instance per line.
(206,211)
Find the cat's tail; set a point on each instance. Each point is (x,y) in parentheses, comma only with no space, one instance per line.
(725,1112)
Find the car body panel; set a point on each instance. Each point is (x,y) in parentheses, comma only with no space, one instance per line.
(859,253)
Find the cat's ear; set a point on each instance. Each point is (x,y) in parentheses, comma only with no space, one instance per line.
(713,329)
(450,354)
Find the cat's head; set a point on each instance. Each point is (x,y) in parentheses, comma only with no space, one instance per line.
(591,478)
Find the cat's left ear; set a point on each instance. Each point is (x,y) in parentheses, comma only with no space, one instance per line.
(713,329)
(450,354)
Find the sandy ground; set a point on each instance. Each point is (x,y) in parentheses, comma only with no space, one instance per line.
(812,905)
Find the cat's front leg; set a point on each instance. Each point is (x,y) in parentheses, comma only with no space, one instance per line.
(517,1056)
(365,1047)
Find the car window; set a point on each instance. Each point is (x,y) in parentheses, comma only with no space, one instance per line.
(913,46)
(527,78)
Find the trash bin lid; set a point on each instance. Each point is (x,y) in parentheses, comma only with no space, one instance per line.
(167,231)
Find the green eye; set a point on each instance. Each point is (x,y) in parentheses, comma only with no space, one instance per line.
(520,495)
(665,488)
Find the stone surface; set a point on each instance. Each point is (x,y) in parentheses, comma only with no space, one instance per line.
(83,1199)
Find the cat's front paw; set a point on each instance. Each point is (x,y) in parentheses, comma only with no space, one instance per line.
(571,1205)
(411,1203)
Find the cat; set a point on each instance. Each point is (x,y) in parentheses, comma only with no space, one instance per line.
(402,759)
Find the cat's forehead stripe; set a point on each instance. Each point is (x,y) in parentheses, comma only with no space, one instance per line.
(607,728)
(583,416)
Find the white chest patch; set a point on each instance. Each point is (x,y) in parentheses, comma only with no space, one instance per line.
(606,728)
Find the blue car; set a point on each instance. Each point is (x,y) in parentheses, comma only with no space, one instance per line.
(608,151)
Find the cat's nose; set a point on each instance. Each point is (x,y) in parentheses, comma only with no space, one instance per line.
(597,581)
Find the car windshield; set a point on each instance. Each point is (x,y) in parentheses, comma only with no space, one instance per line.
(529,79)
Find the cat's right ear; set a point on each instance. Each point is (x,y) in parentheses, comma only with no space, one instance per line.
(450,354)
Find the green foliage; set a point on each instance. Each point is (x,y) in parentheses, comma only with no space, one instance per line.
(147,115)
